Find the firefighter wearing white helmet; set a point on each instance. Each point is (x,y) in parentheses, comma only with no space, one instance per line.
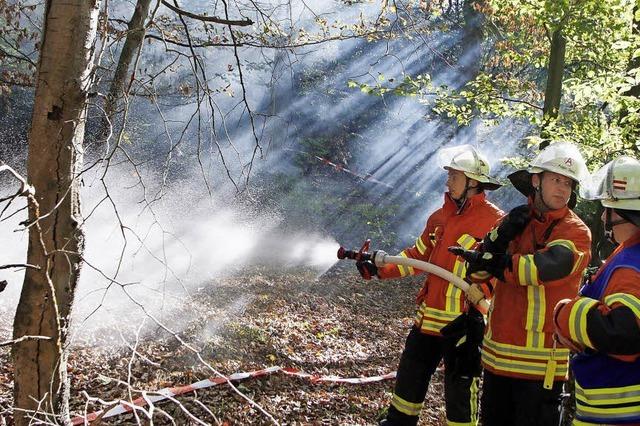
(561,158)
(602,323)
(468,166)
(465,216)
(537,254)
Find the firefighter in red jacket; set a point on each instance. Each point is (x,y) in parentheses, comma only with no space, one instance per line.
(602,324)
(465,217)
(543,263)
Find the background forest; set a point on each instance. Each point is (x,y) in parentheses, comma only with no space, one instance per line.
(176,179)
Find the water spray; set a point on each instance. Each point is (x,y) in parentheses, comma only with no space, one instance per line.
(380,258)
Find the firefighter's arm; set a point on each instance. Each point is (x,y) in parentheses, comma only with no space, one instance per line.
(420,250)
(559,259)
(612,326)
(509,226)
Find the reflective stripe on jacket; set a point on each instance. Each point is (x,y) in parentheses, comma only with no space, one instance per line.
(548,260)
(440,301)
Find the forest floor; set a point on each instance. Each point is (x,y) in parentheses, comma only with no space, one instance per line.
(336,325)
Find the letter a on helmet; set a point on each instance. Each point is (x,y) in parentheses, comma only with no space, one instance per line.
(469,161)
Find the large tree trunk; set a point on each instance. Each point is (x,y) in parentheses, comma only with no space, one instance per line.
(55,242)
(122,76)
(553,92)
(472,38)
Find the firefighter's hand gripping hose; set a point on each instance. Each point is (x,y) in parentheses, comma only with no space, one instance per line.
(380,258)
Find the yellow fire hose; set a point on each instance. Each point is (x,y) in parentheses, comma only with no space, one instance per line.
(381,258)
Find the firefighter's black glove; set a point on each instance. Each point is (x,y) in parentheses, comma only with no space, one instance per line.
(482,264)
(463,338)
(497,241)
(367,269)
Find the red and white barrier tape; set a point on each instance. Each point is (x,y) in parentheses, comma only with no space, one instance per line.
(368,177)
(126,407)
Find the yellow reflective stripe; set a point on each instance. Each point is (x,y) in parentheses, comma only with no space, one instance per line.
(432,319)
(475,385)
(453,298)
(527,270)
(406,407)
(523,367)
(607,413)
(578,320)
(627,300)
(536,310)
(571,246)
(473,408)
(437,313)
(454,294)
(432,326)
(405,270)
(608,396)
(466,241)
(420,246)
(542,354)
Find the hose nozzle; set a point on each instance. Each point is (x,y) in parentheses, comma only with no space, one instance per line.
(359,256)
(363,254)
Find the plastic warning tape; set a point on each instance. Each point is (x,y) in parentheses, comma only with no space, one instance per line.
(162,394)
(342,168)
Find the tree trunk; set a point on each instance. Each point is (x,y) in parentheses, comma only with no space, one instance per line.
(553,91)
(55,242)
(633,134)
(472,38)
(122,77)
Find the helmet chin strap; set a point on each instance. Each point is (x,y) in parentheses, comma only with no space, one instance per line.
(609,224)
(465,195)
(539,190)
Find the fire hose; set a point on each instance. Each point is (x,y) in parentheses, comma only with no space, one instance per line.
(380,258)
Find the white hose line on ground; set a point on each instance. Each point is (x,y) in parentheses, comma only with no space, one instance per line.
(166,393)
(483,306)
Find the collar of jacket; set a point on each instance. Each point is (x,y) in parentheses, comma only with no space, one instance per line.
(631,241)
(450,206)
(550,216)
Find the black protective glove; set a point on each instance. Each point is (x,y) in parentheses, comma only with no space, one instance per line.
(367,269)
(493,263)
(463,338)
(497,241)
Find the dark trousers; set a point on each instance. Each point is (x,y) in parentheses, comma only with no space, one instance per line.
(507,401)
(420,358)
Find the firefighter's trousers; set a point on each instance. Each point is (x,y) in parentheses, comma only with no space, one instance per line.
(420,358)
(508,401)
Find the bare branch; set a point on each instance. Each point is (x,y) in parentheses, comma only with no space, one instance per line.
(19,265)
(179,11)
(22,339)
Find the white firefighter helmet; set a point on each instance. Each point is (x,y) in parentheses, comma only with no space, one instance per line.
(616,184)
(561,157)
(469,161)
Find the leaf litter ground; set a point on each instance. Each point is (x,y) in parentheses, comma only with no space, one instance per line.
(336,324)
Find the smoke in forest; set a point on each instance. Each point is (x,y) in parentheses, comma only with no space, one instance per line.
(159,232)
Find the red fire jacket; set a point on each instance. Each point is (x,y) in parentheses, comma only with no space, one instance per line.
(548,260)
(440,301)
